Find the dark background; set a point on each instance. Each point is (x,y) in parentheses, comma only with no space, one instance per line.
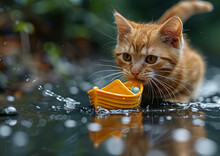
(55,39)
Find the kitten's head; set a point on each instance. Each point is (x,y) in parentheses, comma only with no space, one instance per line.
(143,50)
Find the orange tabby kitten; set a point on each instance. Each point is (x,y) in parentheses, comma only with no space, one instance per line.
(159,55)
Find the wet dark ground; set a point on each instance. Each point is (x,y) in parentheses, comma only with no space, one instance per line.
(49,124)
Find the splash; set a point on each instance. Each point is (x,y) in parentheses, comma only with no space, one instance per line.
(70,104)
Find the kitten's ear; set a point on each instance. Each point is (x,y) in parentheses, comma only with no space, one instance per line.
(124,26)
(171,32)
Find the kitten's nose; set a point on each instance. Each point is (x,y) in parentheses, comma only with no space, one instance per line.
(135,73)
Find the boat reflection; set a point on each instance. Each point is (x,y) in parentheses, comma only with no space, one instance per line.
(115,126)
(151,134)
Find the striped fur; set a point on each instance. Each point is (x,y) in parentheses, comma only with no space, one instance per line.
(178,70)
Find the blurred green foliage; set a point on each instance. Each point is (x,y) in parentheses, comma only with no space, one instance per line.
(59,21)
(24,26)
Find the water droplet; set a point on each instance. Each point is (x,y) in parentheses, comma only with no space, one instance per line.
(94,127)
(74,90)
(49,93)
(48,86)
(11,122)
(102,111)
(85,86)
(9,110)
(125,120)
(115,146)
(20,139)
(38,107)
(26,123)
(10,98)
(147,127)
(161,120)
(201,99)
(205,146)
(181,135)
(5,131)
(193,109)
(168,117)
(207,100)
(84,120)
(40,87)
(60,98)
(198,122)
(70,104)
(70,123)
(34,80)
(215,99)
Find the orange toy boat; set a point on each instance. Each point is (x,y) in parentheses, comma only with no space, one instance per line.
(117,95)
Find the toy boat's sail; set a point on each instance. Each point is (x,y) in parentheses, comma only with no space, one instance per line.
(117,87)
(116,95)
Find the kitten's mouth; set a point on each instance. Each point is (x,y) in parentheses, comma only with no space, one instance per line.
(145,80)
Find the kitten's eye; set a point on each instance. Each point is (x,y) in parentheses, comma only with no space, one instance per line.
(126,57)
(151,59)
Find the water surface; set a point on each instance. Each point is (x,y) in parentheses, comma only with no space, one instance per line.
(50,123)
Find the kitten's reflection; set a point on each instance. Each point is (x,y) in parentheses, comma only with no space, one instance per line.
(152,134)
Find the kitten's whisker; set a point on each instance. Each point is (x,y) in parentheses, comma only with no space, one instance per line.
(108,35)
(112,27)
(110,48)
(160,91)
(102,71)
(105,65)
(169,87)
(102,78)
(181,74)
(166,88)
(175,82)
(186,68)
(110,61)
(152,89)
(111,42)
(105,78)
(172,78)
(116,77)
(123,78)
(118,32)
